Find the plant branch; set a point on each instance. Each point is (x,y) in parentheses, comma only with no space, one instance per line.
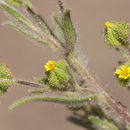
(28,83)
(60,6)
(72,60)
(122,53)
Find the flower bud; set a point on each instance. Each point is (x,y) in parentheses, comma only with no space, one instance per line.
(57,74)
(5,79)
(116,34)
(5,72)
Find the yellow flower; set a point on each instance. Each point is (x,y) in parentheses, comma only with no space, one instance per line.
(50,65)
(108,24)
(124,72)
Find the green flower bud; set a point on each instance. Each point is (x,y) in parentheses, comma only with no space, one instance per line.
(116,34)
(53,80)
(60,75)
(5,72)
(4,84)
(62,65)
(5,79)
(58,78)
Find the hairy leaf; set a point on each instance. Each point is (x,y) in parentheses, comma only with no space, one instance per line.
(70,31)
(59,22)
(41,22)
(41,90)
(102,124)
(50,99)
(18,16)
(28,34)
(59,31)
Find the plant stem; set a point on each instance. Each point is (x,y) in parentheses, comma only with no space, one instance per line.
(122,53)
(28,83)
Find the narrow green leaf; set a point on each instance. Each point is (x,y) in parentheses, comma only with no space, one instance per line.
(41,22)
(59,22)
(50,99)
(15,3)
(18,16)
(28,34)
(70,31)
(102,124)
(41,90)
(59,31)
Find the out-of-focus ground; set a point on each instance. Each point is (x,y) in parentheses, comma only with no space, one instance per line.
(26,60)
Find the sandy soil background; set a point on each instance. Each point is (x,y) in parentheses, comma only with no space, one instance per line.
(26,60)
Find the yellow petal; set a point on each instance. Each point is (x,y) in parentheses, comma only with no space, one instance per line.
(118,71)
(50,65)
(108,24)
(124,67)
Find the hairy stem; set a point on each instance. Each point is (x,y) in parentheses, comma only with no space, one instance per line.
(28,83)
(122,53)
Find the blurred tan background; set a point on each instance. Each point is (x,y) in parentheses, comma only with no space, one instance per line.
(26,60)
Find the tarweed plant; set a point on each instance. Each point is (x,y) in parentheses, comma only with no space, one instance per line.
(60,84)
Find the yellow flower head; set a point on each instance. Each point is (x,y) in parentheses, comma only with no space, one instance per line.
(108,24)
(50,65)
(124,72)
